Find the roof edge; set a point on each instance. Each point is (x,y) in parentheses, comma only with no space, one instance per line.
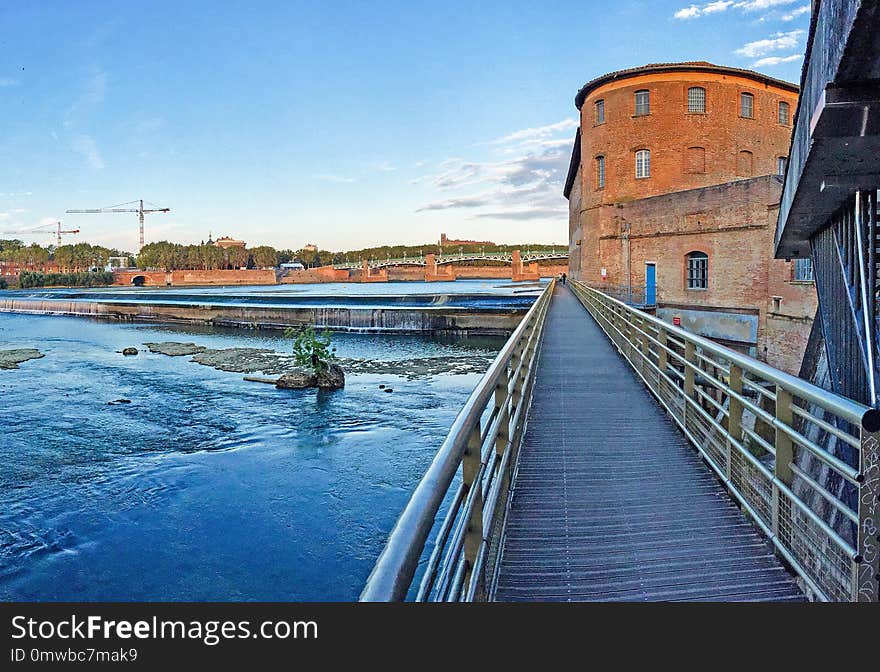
(574,164)
(697,66)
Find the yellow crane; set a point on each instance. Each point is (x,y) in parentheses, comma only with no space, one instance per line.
(140,210)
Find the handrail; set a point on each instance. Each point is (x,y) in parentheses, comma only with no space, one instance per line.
(803,462)
(466,534)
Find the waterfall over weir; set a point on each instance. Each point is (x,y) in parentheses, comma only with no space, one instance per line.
(496,311)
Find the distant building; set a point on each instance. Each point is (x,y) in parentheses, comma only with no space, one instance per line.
(292,266)
(226,242)
(444,242)
(310,248)
(116,263)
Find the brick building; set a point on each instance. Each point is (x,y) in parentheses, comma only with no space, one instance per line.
(674,190)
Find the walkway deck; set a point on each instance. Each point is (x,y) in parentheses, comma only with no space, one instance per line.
(610,501)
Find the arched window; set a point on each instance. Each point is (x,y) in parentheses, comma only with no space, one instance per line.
(600,172)
(747,105)
(643,164)
(696,160)
(744,164)
(696,99)
(599,117)
(781,164)
(697,270)
(783,113)
(643,102)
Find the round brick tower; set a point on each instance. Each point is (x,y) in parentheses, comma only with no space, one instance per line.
(665,128)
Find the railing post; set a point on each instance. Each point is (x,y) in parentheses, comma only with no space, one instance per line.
(734,412)
(690,356)
(473,538)
(662,355)
(782,464)
(867,568)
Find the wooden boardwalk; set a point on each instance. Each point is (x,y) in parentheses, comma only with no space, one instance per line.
(610,501)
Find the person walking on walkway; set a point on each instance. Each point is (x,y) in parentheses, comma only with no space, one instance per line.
(563,278)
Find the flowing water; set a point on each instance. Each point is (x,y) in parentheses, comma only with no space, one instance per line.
(205,486)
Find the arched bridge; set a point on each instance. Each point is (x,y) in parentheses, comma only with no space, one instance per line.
(461,258)
(655,465)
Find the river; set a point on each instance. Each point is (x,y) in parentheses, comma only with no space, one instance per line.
(205,486)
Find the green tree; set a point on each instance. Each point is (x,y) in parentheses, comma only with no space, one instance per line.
(312,350)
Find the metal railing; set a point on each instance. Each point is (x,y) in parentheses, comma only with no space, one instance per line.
(472,472)
(803,462)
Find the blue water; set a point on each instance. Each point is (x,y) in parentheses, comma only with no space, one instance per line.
(206,487)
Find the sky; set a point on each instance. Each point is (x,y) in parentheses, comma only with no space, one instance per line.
(345,124)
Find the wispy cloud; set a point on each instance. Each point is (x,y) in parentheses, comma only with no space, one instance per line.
(525,186)
(327,177)
(385,166)
(717,6)
(8,81)
(85,146)
(538,133)
(776,60)
(793,14)
(777,42)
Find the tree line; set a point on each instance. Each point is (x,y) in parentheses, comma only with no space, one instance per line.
(28,279)
(69,258)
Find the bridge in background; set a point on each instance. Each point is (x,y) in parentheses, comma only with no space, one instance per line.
(608,455)
(461,258)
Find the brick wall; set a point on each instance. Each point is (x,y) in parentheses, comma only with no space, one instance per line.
(734,225)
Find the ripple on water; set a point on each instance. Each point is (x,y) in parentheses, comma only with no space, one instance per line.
(205,486)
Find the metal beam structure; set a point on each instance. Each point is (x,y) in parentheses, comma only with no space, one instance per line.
(503,257)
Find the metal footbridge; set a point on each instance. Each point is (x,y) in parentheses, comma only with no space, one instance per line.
(609,456)
(461,258)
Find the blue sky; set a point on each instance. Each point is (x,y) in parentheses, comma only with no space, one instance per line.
(345,124)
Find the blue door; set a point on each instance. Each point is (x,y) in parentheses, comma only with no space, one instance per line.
(650,284)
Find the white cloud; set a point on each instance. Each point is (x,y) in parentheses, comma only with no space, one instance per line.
(385,167)
(530,135)
(776,60)
(688,12)
(793,14)
(718,6)
(758,5)
(8,81)
(777,42)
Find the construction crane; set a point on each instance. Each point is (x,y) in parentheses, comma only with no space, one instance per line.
(55,228)
(140,210)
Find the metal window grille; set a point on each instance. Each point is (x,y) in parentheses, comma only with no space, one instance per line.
(697,271)
(783,114)
(600,111)
(781,164)
(803,269)
(600,172)
(696,99)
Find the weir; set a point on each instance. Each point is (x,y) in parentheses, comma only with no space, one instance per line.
(434,315)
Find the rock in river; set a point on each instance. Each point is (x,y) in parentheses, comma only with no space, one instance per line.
(332,379)
(173,349)
(10,359)
(297,379)
(129,352)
